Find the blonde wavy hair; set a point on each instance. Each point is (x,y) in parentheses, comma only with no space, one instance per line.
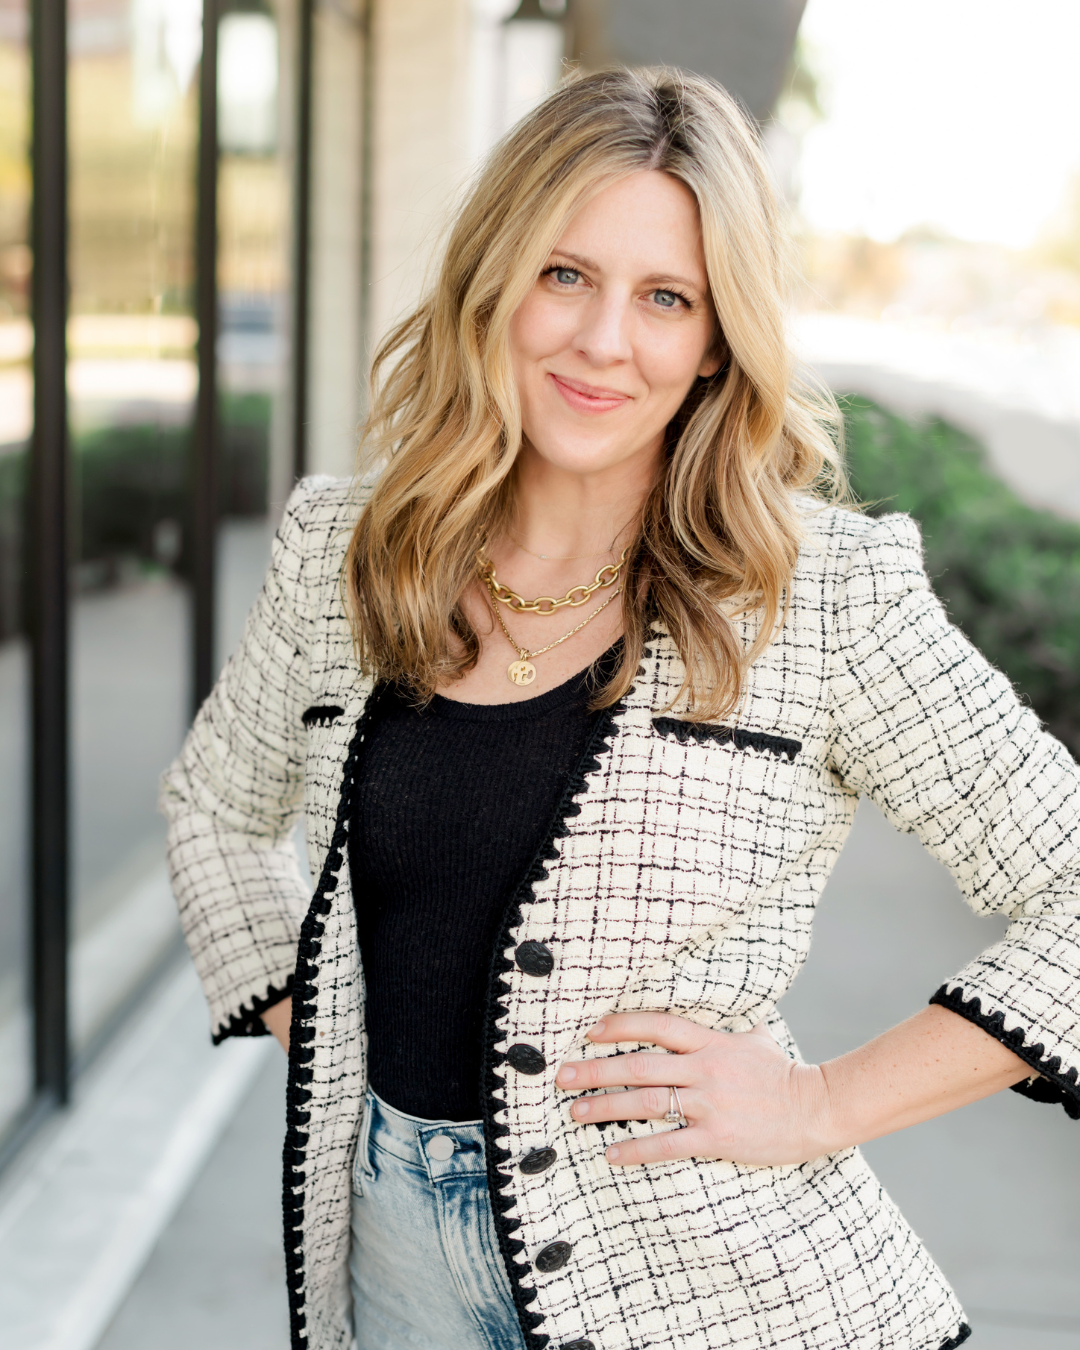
(720,530)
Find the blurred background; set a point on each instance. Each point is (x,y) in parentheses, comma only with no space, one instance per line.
(209,212)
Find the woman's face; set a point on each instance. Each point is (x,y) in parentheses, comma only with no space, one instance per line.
(616,329)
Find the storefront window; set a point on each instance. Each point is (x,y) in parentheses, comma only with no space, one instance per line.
(133,129)
(253,281)
(16,413)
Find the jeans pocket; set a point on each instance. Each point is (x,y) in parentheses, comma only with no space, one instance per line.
(362,1168)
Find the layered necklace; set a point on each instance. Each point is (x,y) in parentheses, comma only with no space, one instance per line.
(522,671)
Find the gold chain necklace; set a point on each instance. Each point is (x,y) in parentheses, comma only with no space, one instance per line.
(522,671)
(547,604)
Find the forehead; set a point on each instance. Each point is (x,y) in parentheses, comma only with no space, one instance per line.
(646,222)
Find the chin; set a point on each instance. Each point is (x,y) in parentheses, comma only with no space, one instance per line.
(570,450)
(581,457)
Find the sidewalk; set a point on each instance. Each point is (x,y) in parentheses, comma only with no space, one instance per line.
(84,1207)
(216,1279)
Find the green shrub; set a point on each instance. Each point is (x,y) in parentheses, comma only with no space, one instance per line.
(1008,574)
(130,481)
(131,491)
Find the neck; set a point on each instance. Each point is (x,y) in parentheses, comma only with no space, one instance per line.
(564,514)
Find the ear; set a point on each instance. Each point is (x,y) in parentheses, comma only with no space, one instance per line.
(709,366)
(714,357)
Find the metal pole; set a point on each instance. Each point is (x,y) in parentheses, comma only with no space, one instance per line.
(302,261)
(204,466)
(367,179)
(48,549)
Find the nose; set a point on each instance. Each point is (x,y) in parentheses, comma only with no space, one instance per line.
(604,336)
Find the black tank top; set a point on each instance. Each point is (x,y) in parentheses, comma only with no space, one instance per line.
(453,801)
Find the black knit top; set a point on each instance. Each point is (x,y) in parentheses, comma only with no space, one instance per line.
(453,801)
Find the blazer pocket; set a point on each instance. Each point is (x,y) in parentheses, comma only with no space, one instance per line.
(741,739)
(321,716)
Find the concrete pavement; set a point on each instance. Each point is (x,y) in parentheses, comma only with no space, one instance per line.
(216,1279)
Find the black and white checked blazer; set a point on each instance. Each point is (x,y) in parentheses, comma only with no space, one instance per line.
(680,873)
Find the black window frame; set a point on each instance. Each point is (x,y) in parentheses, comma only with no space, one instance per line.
(49,534)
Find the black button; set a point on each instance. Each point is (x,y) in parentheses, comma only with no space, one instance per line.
(526,1058)
(577,1345)
(553,1257)
(534,958)
(537,1160)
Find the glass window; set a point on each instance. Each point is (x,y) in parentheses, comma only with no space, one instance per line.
(16,412)
(133,130)
(253,290)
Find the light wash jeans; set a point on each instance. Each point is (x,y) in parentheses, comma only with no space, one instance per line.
(425,1264)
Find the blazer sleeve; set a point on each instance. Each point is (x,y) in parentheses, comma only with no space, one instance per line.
(937,738)
(234,794)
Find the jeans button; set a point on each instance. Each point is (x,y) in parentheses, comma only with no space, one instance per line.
(441,1148)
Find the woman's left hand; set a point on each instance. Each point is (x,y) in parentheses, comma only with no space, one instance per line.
(743,1099)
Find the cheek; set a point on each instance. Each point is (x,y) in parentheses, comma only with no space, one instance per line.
(670,361)
(538,330)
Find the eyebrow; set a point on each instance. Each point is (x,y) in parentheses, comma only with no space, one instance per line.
(656,279)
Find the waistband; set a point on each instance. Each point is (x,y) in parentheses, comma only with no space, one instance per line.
(423,1143)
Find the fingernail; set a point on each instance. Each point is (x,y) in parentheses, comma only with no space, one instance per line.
(613,1153)
(597,1030)
(580,1108)
(567,1075)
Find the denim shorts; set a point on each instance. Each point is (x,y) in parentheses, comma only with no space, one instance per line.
(425,1265)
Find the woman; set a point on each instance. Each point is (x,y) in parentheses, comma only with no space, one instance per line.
(577,841)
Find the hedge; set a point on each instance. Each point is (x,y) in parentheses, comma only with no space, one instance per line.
(131,494)
(129,480)
(1008,574)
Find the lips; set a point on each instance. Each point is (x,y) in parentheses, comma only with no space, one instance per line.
(588,397)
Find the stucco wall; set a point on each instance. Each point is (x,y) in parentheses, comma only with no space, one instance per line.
(421,150)
(422,143)
(336,353)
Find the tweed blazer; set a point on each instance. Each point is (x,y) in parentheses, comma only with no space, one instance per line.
(681,872)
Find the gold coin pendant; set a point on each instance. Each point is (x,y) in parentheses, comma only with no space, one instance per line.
(521,672)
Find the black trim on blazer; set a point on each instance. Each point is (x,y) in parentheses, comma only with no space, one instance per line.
(1052,1086)
(497,1157)
(248,1020)
(301,1053)
(321,716)
(737,736)
(959,1339)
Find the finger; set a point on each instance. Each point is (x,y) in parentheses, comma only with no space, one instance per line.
(652,1028)
(650,1103)
(641,1067)
(664,1146)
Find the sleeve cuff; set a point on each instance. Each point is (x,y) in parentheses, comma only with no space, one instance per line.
(1049,1083)
(247,1019)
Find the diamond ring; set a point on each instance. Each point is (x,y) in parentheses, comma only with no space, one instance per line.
(675,1114)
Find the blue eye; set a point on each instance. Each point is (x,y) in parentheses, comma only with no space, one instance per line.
(566,276)
(666,299)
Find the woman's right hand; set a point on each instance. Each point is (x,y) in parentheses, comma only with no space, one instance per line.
(277,1020)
